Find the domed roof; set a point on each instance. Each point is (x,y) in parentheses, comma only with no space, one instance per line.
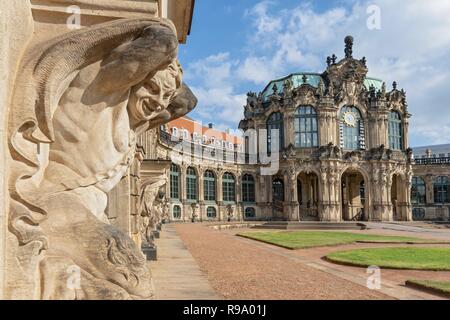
(312,79)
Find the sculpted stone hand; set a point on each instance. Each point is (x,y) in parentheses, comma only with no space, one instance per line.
(72,139)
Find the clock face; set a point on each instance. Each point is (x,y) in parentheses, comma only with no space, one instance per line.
(350,119)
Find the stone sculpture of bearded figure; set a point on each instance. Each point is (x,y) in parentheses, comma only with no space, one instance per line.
(72,138)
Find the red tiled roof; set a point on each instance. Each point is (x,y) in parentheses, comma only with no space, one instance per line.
(192,126)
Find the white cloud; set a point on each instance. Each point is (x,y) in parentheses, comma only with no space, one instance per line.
(220,105)
(411,48)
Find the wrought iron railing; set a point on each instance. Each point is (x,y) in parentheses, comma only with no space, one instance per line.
(432,161)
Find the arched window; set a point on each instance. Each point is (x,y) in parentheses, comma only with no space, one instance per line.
(176,212)
(228,187)
(275,127)
(191,184)
(418,191)
(441,190)
(175,132)
(174,182)
(351,129)
(209,182)
(395,131)
(248,188)
(278,190)
(306,133)
(250,213)
(211,212)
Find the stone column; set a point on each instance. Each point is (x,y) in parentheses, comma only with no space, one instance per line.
(201,195)
(377,203)
(135,193)
(294,205)
(333,181)
(323,128)
(219,197)
(289,132)
(406,132)
(407,202)
(429,189)
(183,194)
(324,196)
(239,209)
(119,204)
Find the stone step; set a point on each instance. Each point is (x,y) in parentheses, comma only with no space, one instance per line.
(285,225)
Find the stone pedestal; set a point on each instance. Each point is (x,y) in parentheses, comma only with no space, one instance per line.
(150,253)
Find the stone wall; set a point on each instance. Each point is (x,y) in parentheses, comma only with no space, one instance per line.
(34,34)
(16,28)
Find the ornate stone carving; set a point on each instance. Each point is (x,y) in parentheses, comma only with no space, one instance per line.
(79,102)
(354,156)
(289,152)
(151,209)
(348,47)
(330,151)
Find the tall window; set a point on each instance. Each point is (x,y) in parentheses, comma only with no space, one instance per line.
(250,213)
(306,127)
(176,212)
(278,190)
(191,184)
(228,186)
(351,129)
(395,131)
(211,212)
(248,188)
(210,186)
(418,195)
(174,182)
(442,190)
(274,127)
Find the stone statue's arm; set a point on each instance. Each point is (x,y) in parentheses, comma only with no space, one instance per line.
(132,62)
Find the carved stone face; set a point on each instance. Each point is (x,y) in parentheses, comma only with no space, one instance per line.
(151,97)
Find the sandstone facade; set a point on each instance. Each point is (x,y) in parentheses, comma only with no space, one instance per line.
(83,79)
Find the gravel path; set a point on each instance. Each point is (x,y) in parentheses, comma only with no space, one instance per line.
(241,271)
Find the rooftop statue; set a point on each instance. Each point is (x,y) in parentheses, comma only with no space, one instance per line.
(80,100)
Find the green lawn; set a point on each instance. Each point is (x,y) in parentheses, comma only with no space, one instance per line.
(435,259)
(310,239)
(442,287)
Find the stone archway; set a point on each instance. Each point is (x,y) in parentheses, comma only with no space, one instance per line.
(308,196)
(354,196)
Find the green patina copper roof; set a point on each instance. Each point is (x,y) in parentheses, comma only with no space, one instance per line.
(311,79)
(297,80)
(377,83)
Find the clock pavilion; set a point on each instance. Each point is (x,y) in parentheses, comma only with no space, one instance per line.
(340,139)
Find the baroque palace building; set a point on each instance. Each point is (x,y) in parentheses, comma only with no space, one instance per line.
(344,145)
(315,147)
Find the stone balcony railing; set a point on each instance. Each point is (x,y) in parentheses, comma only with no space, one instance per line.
(432,161)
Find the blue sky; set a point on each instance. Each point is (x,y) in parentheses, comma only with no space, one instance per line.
(238,46)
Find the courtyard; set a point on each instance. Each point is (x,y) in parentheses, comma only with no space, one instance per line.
(206,263)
